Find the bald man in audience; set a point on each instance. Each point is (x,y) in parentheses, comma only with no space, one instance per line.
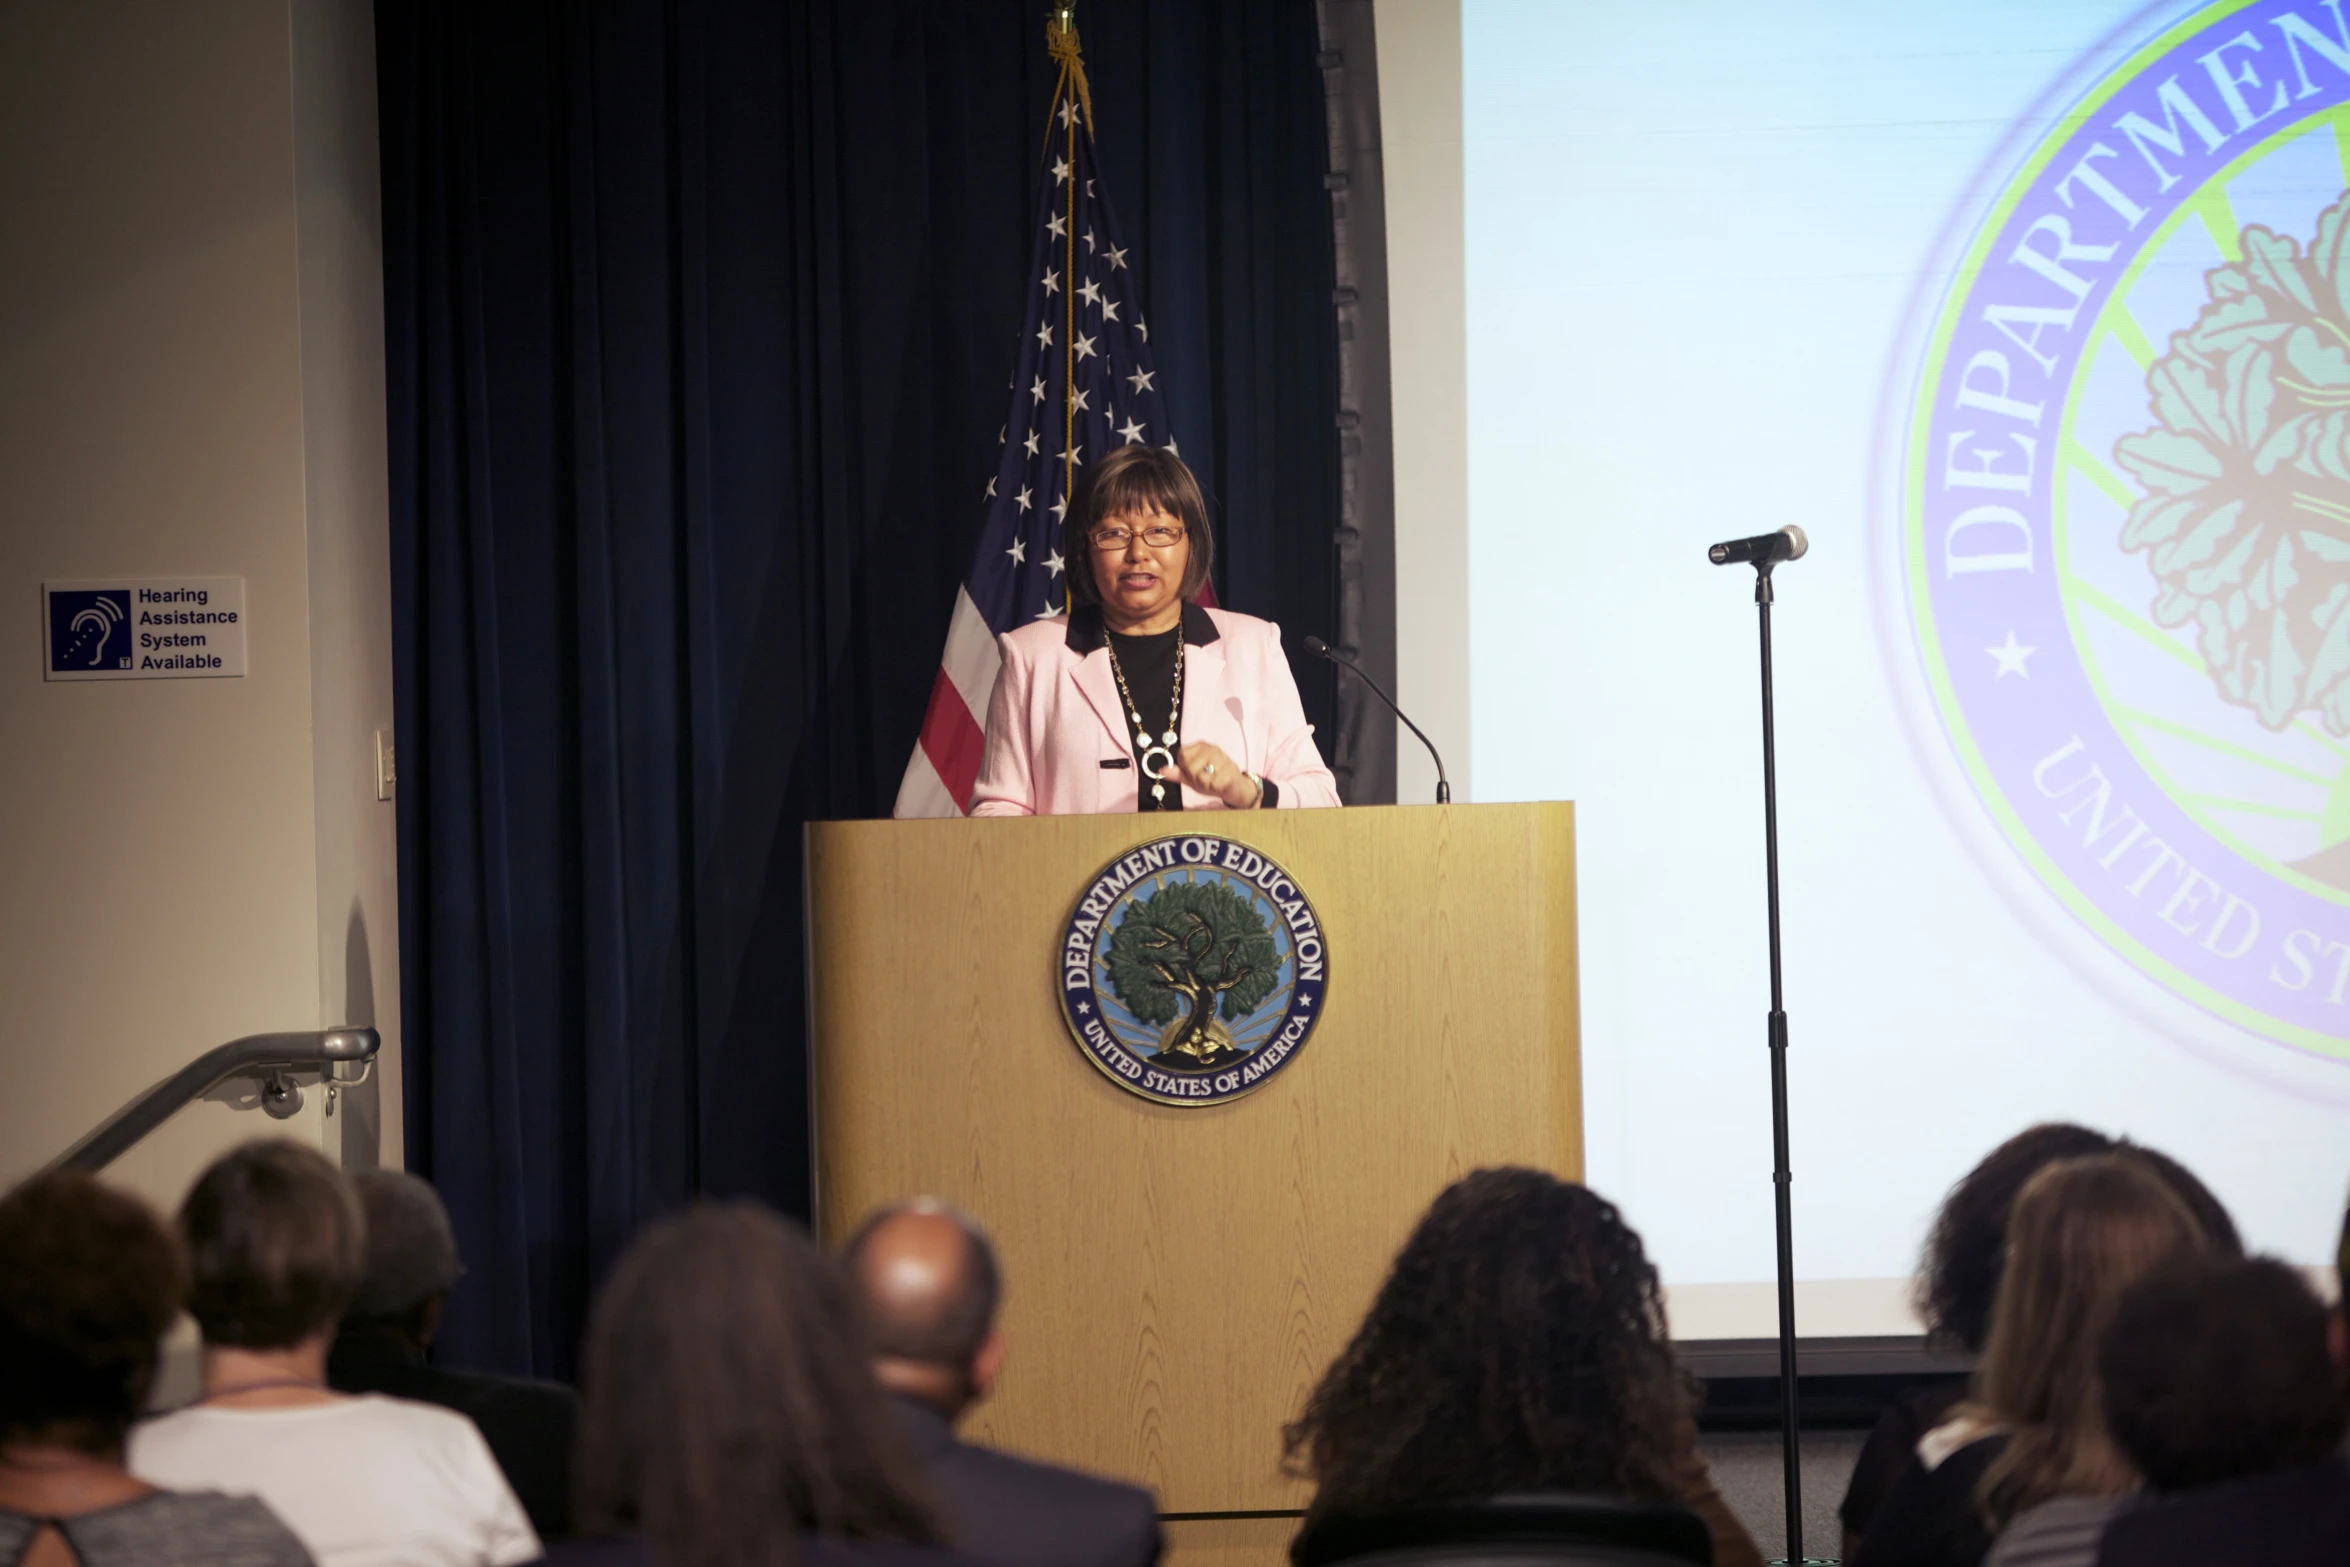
(928,1281)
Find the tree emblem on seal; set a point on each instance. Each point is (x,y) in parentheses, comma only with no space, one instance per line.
(2246,518)
(1184,954)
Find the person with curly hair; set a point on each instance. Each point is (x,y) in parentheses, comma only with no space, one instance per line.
(2033,1427)
(1959,1279)
(89,1281)
(1518,1346)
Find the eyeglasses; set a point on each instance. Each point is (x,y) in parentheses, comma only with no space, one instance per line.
(1159,536)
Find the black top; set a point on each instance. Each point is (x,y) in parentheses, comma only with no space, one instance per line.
(527,1423)
(1891,1446)
(815,1551)
(1506,1528)
(1148,663)
(2296,1518)
(1022,1514)
(1929,1517)
(1086,630)
(1150,674)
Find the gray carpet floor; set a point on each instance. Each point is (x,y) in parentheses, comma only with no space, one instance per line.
(1748,1470)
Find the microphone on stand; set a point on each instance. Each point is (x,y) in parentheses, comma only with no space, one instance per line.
(1764,552)
(1764,549)
(1322,649)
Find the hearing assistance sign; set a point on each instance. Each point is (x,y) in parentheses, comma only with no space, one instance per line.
(145,628)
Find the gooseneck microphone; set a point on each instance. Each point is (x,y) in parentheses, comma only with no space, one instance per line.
(1765,549)
(1322,649)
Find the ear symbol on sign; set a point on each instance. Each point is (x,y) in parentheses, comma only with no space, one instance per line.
(99,617)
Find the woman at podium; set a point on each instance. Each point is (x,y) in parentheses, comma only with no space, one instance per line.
(1140,698)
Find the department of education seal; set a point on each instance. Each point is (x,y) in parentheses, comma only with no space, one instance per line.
(2125,514)
(1192,970)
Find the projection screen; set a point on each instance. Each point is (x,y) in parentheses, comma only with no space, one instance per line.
(2036,317)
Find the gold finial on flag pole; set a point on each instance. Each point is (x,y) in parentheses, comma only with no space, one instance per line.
(1060,37)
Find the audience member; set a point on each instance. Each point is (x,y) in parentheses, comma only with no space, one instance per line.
(1956,1284)
(2220,1385)
(729,1416)
(1518,1346)
(276,1243)
(2081,1231)
(387,1336)
(1959,1280)
(2214,1370)
(89,1281)
(929,1284)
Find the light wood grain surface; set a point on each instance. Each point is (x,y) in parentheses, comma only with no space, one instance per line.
(1228,1542)
(1177,1278)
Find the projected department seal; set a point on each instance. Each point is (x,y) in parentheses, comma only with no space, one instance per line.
(1192,970)
(2125,511)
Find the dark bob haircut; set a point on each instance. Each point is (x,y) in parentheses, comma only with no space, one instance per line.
(1133,479)
(1967,1250)
(276,1244)
(2217,1370)
(1968,1246)
(89,1281)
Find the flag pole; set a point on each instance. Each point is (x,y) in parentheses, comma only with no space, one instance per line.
(1061,41)
(1105,372)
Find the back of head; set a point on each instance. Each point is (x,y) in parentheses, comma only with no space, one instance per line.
(2211,1215)
(727,1408)
(927,1280)
(2083,1230)
(2342,1265)
(1967,1250)
(1518,1345)
(411,1251)
(2217,1369)
(275,1243)
(1968,1246)
(89,1281)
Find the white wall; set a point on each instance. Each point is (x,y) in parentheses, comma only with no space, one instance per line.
(191,382)
(1420,138)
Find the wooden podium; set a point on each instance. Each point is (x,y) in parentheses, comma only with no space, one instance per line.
(1177,1278)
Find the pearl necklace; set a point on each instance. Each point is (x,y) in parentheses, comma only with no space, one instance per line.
(1164,750)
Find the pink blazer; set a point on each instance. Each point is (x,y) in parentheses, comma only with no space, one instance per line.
(1056,718)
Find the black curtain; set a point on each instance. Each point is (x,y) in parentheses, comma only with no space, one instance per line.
(699,318)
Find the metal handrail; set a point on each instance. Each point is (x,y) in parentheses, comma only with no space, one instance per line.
(343,1052)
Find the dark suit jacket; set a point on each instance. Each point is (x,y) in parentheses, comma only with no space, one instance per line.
(1012,1511)
(2296,1518)
(527,1423)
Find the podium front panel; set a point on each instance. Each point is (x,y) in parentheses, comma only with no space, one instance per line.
(1176,1278)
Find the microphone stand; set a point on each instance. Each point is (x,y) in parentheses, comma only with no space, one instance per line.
(1790,1426)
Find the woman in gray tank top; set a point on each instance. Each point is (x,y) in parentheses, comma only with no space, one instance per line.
(89,1282)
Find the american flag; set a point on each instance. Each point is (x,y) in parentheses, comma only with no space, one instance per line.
(1084,384)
